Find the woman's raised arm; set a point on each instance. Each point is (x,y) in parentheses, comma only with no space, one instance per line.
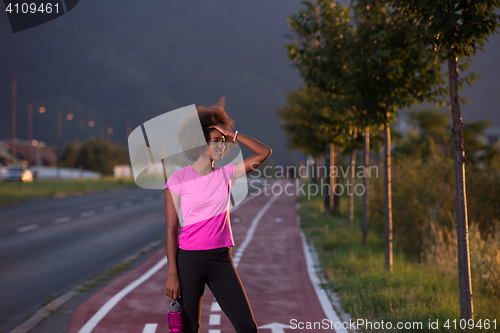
(260,150)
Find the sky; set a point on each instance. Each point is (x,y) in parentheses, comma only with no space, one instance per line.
(115,61)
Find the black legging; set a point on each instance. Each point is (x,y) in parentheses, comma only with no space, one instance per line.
(215,268)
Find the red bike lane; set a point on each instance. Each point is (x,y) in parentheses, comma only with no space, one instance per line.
(276,272)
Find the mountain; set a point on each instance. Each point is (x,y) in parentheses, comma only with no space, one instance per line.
(117,60)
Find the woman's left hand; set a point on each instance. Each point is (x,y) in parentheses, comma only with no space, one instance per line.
(224,130)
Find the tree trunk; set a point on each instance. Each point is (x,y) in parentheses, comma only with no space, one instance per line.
(317,170)
(366,181)
(338,191)
(466,303)
(388,197)
(310,170)
(351,190)
(326,180)
(333,179)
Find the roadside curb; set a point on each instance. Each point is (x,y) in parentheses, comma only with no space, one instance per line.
(45,311)
(332,295)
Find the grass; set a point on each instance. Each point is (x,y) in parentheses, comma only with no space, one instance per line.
(104,276)
(413,292)
(14,192)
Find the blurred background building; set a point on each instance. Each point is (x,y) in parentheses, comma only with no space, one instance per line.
(28,152)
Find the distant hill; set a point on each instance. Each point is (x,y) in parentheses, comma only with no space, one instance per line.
(118,60)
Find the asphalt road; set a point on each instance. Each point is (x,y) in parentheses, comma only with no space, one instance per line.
(273,261)
(51,246)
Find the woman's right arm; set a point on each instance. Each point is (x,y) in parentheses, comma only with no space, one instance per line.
(173,287)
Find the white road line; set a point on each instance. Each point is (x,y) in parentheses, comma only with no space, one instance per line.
(320,292)
(104,310)
(28,228)
(251,230)
(87,213)
(62,219)
(214,319)
(150,328)
(215,307)
(109,208)
(246,200)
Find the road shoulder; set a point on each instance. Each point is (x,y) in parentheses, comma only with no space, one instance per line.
(56,315)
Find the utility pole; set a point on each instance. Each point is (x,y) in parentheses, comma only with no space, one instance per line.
(14,118)
(16,68)
(101,140)
(30,131)
(128,129)
(82,128)
(59,140)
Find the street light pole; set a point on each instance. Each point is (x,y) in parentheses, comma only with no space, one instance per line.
(59,139)
(128,129)
(14,118)
(30,131)
(81,129)
(101,140)
(13,149)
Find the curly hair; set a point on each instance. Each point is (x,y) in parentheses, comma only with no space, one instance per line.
(207,116)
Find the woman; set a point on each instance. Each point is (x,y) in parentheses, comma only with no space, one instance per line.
(203,255)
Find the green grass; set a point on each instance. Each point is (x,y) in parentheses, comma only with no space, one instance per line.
(13,192)
(413,292)
(104,276)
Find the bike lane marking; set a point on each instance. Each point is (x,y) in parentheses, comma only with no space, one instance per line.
(278,281)
(104,310)
(279,277)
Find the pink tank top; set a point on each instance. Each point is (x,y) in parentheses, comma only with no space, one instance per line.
(204,202)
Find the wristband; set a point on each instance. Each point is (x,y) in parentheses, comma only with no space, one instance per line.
(235,135)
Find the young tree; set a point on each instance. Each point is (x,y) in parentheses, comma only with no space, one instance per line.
(367,65)
(314,27)
(456,29)
(313,124)
(300,119)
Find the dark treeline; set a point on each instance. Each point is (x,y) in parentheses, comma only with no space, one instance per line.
(94,155)
(423,182)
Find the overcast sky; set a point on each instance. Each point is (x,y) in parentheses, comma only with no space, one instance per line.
(115,60)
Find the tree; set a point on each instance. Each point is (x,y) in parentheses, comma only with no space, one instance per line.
(456,29)
(367,66)
(299,119)
(312,123)
(310,25)
(92,155)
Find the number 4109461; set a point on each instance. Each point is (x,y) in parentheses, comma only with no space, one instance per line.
(471,324)
(26,8)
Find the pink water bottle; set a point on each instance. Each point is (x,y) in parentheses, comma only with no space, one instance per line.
(175,317)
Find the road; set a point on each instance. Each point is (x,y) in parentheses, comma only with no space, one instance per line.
(51,246)
(274,263)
